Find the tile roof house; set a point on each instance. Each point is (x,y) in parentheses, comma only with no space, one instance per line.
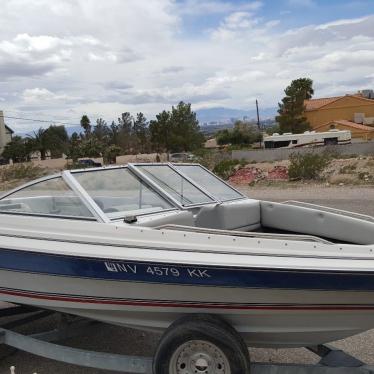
(357,130)
(352,109)
(314,104)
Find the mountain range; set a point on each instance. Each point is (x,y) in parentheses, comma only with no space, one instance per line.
(221,114)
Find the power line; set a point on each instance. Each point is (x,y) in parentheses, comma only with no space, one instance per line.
(41,120)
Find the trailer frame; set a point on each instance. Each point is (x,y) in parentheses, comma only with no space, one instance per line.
(332,360)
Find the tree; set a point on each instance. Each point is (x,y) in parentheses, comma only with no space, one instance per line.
(292,107)
(270,130)
(18,150)
(176,130)
(304,86)
(57,140)
(91,147)
(185,131)
(140,132)
(125,124)
(39,142)
(111,153)
(243,134)
(160,130)
(101,131)
(86,125)
(74,150)
(114,133)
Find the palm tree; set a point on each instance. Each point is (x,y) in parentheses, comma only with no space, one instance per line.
(39,142)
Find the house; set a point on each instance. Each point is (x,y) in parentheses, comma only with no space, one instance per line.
(355,108)
(5,133)
(358,131)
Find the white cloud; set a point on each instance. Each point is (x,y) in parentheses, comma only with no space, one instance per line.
(105,57)
(197,7)
(341,22)
(25,47)
(40,95)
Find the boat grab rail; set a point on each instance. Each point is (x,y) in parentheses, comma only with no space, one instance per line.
(364,217)
(245,234)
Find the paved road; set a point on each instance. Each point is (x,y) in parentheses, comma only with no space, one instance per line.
(121,340)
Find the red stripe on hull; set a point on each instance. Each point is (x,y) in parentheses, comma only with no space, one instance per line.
(168,304)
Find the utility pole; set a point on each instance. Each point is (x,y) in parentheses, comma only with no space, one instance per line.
(258,122)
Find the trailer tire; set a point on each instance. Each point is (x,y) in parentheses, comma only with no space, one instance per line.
(201,344)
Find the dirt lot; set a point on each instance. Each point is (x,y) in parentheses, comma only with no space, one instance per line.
(349,171)
(121,340)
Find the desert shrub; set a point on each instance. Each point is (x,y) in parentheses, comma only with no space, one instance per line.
(111,153)
(307,166)
(348,169)
(20,171)
(365,176)
(210,157)
(226,168)
(344,156)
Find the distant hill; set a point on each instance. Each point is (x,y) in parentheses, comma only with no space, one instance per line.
(220,114)
(72,129)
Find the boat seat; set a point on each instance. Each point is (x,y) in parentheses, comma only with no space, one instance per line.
(183,218)
(316,222)
(241,215)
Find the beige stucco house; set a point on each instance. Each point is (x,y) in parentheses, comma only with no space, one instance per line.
(5,133)
(353,108)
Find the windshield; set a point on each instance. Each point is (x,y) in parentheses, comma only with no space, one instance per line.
(118,192)
(52,197)
(179,188)
(210,182)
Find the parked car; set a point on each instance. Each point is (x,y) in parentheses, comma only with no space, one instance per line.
(88,163)
(181,157)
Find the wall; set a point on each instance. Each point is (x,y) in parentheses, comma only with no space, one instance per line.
(8,136)
(61,163)
(366,148)
(55,163)
(344,108)
(3,136)
(150,157)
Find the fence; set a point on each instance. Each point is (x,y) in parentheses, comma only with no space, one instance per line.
(263,155)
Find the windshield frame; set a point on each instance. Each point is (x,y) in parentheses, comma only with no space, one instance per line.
(63,176)
(135,168)
(242,196)
(120,215)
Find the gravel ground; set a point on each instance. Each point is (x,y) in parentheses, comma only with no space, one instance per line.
(120,340)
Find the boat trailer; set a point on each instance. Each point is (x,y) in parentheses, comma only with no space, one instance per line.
(332,360)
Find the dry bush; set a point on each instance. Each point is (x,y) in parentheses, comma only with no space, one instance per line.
(307,166)
(20,171)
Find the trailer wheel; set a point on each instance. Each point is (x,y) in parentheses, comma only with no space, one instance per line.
(201,344)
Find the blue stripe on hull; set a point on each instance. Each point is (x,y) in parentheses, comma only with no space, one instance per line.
(108,269)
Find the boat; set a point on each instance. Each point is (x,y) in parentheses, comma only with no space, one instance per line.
(143,244)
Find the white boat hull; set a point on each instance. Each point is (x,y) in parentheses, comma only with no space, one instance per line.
(275,292)
(264,317)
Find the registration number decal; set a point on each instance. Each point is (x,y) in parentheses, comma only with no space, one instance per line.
(156,271)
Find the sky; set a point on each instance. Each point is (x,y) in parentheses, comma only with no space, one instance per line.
(61,59)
